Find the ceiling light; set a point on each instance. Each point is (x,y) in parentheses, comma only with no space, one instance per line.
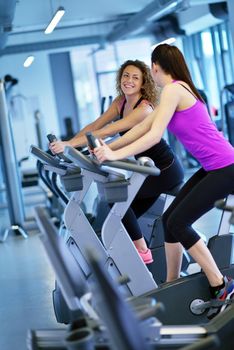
(56,18)
(29,60)
(165,10)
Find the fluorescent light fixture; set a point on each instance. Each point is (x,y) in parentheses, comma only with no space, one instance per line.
(58,15)
(167,9)
(168,41)
(29,60)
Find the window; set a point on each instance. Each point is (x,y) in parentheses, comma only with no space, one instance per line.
(85,84)
(210,71)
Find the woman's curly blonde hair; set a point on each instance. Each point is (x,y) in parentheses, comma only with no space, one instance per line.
(148,89)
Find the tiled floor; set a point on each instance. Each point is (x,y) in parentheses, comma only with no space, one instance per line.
(25,293)
(26,282)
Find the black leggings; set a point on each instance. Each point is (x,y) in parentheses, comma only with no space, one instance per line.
(195,199)
(149,192)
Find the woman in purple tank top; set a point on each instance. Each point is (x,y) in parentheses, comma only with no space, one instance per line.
(136,98)
(183,111)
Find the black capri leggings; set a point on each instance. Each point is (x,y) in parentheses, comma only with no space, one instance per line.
(149,192)
(196,198)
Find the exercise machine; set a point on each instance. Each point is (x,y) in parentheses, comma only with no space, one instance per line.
(184,290)
(227,111)
(80,231)
(18,223)
(116,314)
(101,322)
(150,222)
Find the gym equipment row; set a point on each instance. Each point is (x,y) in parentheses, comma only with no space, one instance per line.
(105,320)
(189,290)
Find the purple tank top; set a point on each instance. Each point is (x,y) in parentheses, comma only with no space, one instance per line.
(194,128)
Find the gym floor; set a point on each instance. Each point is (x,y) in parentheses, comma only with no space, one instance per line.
(27,280)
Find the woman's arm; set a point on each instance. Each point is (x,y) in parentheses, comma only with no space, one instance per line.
(135,133)
(161,117)
(107,117)
(80,139)
(128,122)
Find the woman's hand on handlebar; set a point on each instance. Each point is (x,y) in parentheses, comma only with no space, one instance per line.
(104,152)
(91,150)
(58,146)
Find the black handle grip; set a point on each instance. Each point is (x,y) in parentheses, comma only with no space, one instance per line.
(51,138)
(92,141)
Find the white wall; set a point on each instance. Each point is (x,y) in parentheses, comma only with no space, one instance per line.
(35,85)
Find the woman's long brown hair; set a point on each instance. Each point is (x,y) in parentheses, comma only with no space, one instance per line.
(172,61)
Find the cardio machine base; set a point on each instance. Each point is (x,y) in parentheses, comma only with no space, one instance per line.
(16,229)
(177,297)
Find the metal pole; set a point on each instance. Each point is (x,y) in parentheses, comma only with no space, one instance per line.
(230,4)
(10,171)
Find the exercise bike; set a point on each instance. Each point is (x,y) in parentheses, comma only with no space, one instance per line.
(184,290)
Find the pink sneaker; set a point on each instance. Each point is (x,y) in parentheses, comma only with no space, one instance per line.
(146,256)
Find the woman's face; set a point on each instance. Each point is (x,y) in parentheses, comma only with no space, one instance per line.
(131,80)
